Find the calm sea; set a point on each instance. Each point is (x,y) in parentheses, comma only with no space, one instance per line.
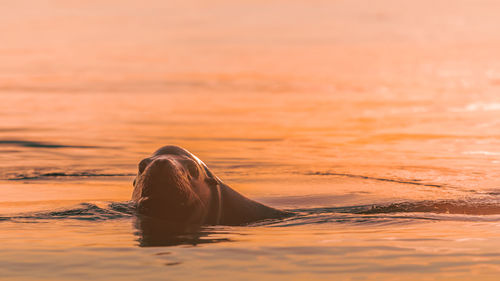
(376,122)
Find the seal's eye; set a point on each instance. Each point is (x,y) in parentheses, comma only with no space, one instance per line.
(192,168)
(143,164)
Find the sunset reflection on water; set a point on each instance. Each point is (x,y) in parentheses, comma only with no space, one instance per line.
(301,106)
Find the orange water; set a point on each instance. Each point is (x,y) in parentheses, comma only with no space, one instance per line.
(299,105)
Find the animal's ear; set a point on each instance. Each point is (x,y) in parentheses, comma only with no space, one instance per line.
(211,181)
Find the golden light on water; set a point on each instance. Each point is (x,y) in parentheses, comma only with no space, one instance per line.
(304,106)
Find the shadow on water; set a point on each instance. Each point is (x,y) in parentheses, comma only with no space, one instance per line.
(154,232)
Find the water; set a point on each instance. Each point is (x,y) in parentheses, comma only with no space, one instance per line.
(377,124)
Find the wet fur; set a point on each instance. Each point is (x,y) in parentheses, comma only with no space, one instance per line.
(234,208)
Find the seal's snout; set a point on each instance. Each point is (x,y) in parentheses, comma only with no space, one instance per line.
(162,178)
(163,189)
(162,167)
(167,186)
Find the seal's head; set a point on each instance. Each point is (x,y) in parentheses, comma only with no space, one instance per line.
(174,185)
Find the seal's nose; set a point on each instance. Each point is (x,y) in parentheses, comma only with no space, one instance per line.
(158,178)
(164,191)
(163,167)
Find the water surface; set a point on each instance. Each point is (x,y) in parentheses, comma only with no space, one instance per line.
(376,123)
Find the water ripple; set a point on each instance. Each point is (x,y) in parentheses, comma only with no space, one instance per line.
(83,211)
(402,212)
(35,144)
(405,181)
(39,176)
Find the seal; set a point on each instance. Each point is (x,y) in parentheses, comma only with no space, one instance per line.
(174,185)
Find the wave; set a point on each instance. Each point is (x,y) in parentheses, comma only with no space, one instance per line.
(396,213)
(83,211)
(440,207)
(458,210)
(156,232)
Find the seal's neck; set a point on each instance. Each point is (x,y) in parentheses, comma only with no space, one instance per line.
(236,209)
(215,213)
